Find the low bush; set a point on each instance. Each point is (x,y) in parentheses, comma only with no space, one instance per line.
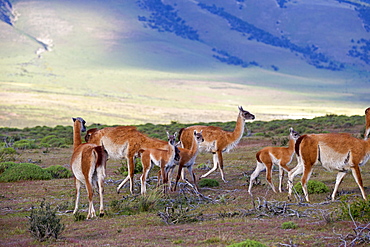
(178,215)
(207,182)
(58,171)
(6,165)
(7,154)
(44,223)
(313,187)
(288,225)
(358,209)
(25,144)
(24,171)
(248,243)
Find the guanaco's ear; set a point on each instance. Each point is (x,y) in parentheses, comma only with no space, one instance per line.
(240,108)
(74,119)
(290,129)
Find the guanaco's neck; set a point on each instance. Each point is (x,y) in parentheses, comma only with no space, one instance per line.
(291,146)
(239,129)
(194,146)
(76,134)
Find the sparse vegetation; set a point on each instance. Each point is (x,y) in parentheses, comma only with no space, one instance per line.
(44,223)
(248,243)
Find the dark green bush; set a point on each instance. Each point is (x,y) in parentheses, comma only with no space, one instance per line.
(313,187)
(6,165)
(207,182)
(24,171)
(359,209)
(44,223)
(58,171)
(248,243)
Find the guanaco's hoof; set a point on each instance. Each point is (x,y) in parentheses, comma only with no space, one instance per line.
(101,214)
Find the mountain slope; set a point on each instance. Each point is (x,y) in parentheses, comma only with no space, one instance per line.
(181,56)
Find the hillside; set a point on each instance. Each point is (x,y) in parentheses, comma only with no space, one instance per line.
(156,61)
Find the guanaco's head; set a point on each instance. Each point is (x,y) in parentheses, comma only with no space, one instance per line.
(171,138)
(293,134)
(246,114)
(198,136)
(89,133)
(172,141)
(81,122)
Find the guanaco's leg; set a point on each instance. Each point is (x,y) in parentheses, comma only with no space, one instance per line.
(256,172)
(357,175)
(338,180)
(78,187)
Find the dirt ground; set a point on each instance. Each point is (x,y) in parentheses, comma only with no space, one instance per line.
(223,221)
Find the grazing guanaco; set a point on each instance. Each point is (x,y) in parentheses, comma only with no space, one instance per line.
(163,158)
(88,165)
(270,156)
(216,140)
(124,142)
(335,151)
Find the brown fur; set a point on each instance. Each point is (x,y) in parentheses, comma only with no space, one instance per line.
(341,152)
(367,120)
(216,140)
(164,158)
(124,142)
(187,159)
(88,163)
(269,156)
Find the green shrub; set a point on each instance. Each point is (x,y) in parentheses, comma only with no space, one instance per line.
(6,165)
(7,154)
(44,223)
(289,225)
(52,141)
(313,187)
(359,209)
(25,144)
(58,171)
(248,243)
(24,171)
(207,182)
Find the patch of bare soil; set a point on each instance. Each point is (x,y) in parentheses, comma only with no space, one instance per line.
(231,215)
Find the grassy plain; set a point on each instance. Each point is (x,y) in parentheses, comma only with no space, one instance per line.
(226,217)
